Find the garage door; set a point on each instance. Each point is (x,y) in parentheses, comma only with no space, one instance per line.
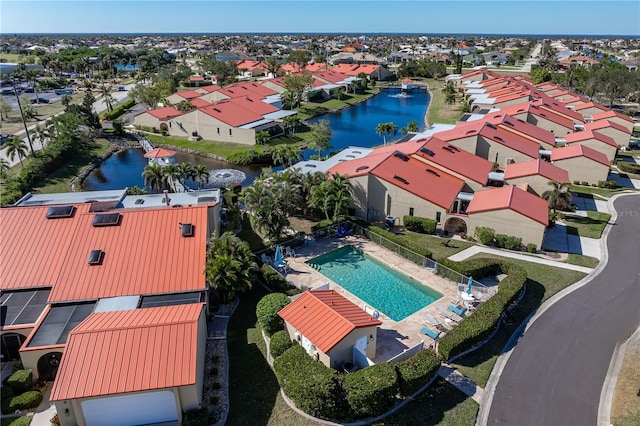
(134,409)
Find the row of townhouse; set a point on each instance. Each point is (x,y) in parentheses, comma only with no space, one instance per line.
(492,167)
(104,294)
(253,69)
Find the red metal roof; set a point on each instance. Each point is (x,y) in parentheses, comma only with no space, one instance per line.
(577,137)
(254,105)
(325,317)
(602,124)
(189,94)
(144,254)
(364,165)
(522,128)
(590,104)
(160,153)
(196,78)
(531,108)
(130,351)
(164,113)
(231,113)
(611,114)
(511,140)
(210,88)
(577,150)
(199,103)
(32,247)
(457,160)
(249,88)
(536,167)
(513,198)
(330,76)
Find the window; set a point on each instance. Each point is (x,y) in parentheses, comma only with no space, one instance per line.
(410,211)
(218,130)
(438,216)
(229,132)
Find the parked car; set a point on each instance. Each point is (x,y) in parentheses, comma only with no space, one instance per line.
(67,91)
(121,88)
(5,138)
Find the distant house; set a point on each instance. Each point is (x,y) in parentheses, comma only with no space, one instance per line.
(594,140)
(252,68)
(330,328)
(534,175)
(186,95)
(582,163)
(157,118)
(373,72)
(620,134)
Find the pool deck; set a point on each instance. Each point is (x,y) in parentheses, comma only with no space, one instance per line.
(393,336)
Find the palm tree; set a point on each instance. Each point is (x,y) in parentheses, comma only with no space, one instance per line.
(66,100)
(411,126)
(291,123)
(201,174)
(16,147)
(172,174)
(338,91)
(4,167)
(108,99)
(6,108)
(31,76)
(154,176)
(559,196)
(385,129)
(262,137)
(184,172)
(230,266)
(42,133)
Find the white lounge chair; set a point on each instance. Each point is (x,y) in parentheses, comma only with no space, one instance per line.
(452,316)
(433,321)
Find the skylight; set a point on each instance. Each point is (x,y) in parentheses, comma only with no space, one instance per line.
(95,257)
(60,212)
(401,156)
(427,151)
(106,219)
(187,229)
(401,179)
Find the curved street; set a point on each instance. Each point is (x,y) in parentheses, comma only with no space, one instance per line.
(555,374)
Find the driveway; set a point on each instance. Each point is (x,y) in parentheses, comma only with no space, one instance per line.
(555,374)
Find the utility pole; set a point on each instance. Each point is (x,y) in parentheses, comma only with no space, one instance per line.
(24,122)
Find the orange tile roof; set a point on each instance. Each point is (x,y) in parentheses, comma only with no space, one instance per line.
(536,167)
(189,94)
(513,198)
(330,76)
(144,254)
(325,317)
(210,88)
(251,65)
(590,104)
(248,88)
(231,113)
(611,114)
(439,188)
(511,140)
(160,153)
(130,351)
(457,160)
(577,137)
(164,113)
(577,150)
(199,103)
(27,237)
(549,104)
(196,78)
(523,128)
(602,124)
(530,108)
(254,105)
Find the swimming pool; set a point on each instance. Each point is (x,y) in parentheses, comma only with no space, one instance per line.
(387,290)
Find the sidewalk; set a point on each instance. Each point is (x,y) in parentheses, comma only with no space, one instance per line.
(464,254)
(557,239)
(462,383)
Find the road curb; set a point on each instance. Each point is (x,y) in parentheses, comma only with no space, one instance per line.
(492,383)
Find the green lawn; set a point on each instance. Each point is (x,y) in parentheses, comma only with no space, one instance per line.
(16,421)
(439,111)
(542,283)
(434,244)
(441,404)
(579,189)
(590,226)
(223,149)
(582,260)
(310,109)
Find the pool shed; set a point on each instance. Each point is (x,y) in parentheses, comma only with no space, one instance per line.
(329,326)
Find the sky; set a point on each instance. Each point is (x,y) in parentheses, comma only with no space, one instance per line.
(579,17)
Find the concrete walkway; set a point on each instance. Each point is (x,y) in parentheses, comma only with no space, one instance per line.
(461,382)
(464,254)
(45,411)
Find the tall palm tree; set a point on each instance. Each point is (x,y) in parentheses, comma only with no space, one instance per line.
(291,123)
(172,174)
(262,137)
(201,173)
(16,147)
(154,176)
(230,266)
(185,171)
(31,76)
(4,167)
(386,129)
(65,100)
(559,196)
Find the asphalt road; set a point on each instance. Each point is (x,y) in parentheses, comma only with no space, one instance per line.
(555,374)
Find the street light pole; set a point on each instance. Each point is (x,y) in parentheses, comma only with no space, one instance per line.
(24,122)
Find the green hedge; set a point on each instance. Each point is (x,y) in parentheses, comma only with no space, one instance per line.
(267,312)
(372,390)
(18,421)
(312,386)
(483,321)
(419,224)
(198,417)
(21,381)
(485,234)
(26,400)
(119,110)
(628,167)
(7,395)
(277,282)
(508,242)
(280,342)
(416,371)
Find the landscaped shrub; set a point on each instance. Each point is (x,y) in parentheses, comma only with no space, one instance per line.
(7,395)
(508,242)
(21,381)
(280,342)
(267,312)
(531,248)
(277,282)
(484,320)
(26,400)
(20,421)
(198,417)
(419,224)
(416,371)
(628,167)
(485,234)
(314,388)
(372,390)
(609,184)
(119,110)
(398,239)
(585,183)
(16,366)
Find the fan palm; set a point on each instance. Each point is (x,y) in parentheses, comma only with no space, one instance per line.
(559,196)
(201,175)
(230,265)
(386,129)
(16,147)
(155,176)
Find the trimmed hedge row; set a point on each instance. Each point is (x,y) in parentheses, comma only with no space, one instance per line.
(484,320)
(628,167)
(26,400)
(120,110)
(419,224)
(267,312)
(323,392)
(395,238)
(21,381)
(280,342)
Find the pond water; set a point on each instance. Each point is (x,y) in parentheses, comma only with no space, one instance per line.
(355,125)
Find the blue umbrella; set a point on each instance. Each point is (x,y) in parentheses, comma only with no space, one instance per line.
(469,284)
(278,260)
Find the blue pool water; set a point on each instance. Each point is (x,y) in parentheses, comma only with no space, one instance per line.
(387,290)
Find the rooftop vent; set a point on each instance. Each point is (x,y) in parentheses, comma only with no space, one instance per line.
(60,212)
(433,172)
(310,165)
(401,156)
(95,257)
(139,201)
(427,151)
(401,179)
(470,132)
(498,138)
(350,156)
(186,229)
(361,168)
(106,219)
(491,125)
(508,122)
(357,152)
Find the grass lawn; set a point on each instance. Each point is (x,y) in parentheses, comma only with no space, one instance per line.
(435,244)
(13,123)
(254,393)
(439,112)
(625,410)
(310,109)
(223,149)
(579,189)
(441,404)
(590,226)
(542,283)
(582,260)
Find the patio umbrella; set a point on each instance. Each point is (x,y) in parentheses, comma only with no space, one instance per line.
(278,260)
(469,284)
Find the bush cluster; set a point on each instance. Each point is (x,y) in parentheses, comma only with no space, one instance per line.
(508,242)
(246,157)
(197,417)
(21,381)
(149,129)
(628,167)
(322,392)
(30,399)
(280,342)
(609,184)
(485,234)
(267,312)
(276,282)
(119,110)
(484,320)
(531,248)
(395,238)
(420,224)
